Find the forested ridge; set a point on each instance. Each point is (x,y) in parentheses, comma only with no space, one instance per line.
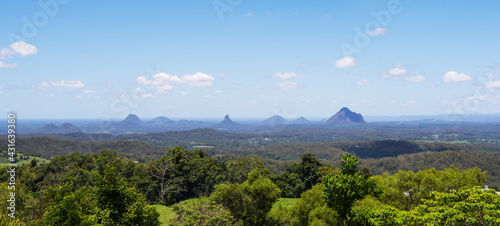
(105,189)
(399,182)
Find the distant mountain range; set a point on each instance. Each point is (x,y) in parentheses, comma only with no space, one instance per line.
(133,124)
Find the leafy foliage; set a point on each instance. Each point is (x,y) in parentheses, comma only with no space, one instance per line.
(110,202)
(405,190)
(250,201)
(203,212)
(343,190)
(299,177)
(473,206)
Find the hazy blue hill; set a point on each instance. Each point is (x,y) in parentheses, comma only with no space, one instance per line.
(345,116)
(229,125)
(52,129)
(49,128)
(275,120)
(161,120)
(67,128)
(132,122)
(301,120)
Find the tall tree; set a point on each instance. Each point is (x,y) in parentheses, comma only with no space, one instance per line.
(251,201)
(343,190)
(161,171)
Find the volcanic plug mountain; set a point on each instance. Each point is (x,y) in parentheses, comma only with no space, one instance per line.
(345,116)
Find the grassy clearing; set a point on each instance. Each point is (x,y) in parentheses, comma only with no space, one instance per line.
(167,212)
(41,161)
(285,203)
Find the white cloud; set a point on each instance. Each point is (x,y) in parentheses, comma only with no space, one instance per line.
(473,99)
(249,14)
(63,83)
(493,84)
(495,66)
(365,101)
(97,97)
(286,85)
(198,80)
(207,96)
(345,62)
(362,82)
(183,93)
(377,32)
(161,89)
(87,91)
(6,53)
(418,78)
(23,48)
(217,91)
(286,75)
(1,92)
(4,65)
(159,79)
(453,76)
(395,72)
(491,75)
(165,81)
(78,97)
(141,93)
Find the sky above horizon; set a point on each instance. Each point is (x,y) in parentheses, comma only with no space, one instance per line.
(206,59)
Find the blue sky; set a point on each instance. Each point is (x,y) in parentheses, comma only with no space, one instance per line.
(206,59)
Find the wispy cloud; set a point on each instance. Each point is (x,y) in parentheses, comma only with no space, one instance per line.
(286,75)
(495,66)
(87,91)
(453,76)
(377,32)
(395,72)
(63,83)
(4,65)
(142,93)
(164,81)
(491,75)
(362,82)
(286,85)
(345,62)
(418,78)
(493,84)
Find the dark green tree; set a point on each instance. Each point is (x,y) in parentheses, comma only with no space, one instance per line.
(251,201)
(343,190)
(299,177)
